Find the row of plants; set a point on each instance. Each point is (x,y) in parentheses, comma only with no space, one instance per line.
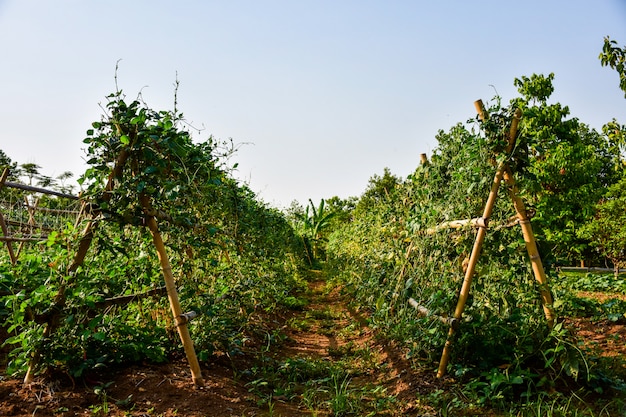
(233,256)
(569,176)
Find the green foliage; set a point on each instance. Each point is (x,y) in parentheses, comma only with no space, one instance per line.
(232,256)
(615,57)
(385,254)
(563,168)
(607,230)
(567,300)
(312,223)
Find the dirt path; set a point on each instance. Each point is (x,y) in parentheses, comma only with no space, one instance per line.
(318,360)
(364,375)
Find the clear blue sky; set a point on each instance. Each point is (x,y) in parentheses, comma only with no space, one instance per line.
(325,94)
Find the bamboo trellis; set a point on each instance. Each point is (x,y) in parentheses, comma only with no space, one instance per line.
(25,221)
(180,318)
(503,174)
(52,319)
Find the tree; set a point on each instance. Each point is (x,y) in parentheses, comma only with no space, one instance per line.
(615,57)
(31,170)
(7,163)
(564,166)
(607,231)
(342,209)
(378,189)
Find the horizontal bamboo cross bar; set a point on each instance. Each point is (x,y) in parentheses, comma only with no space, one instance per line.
(51,210)
(475,222)
(38,190)
(29,226)
(126,299)
(457,224)
(23,239)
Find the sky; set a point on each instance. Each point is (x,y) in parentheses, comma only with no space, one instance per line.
(319,96)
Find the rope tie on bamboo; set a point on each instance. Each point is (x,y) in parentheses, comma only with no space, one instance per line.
(482,222)
(424,312)
(186,318)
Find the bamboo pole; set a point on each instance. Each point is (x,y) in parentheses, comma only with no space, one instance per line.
(480,237)
(22,239)
(471,269)
(475,222)
(400,279)
(457,224)
(31,221)
(3,225)
(39,190)
(425,312)
(172,295)
(52,323)
(87,235)
(531,248)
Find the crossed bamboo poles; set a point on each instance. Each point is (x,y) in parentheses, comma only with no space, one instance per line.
(503,173)
(172,294)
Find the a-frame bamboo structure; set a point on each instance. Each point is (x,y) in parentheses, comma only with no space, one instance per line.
(150,221)
(503,173)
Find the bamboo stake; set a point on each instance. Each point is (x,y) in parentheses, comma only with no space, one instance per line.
(52,323)
(400,279)
(172,295)
(471,269)
(531,248)
(3,225)
(480,237)
(31,221)
(87,235)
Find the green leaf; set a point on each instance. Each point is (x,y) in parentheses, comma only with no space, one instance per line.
(125,139)
(100,336)
(517,380)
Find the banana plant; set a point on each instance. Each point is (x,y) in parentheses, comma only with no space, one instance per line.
(314,221)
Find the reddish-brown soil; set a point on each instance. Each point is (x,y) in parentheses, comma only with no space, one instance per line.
(604,338)
(326,330)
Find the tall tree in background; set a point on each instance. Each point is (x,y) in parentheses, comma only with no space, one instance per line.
(615,57)
(567,170)
(607,230)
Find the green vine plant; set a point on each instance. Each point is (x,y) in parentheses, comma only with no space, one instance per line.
(232,255)
(386,255)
